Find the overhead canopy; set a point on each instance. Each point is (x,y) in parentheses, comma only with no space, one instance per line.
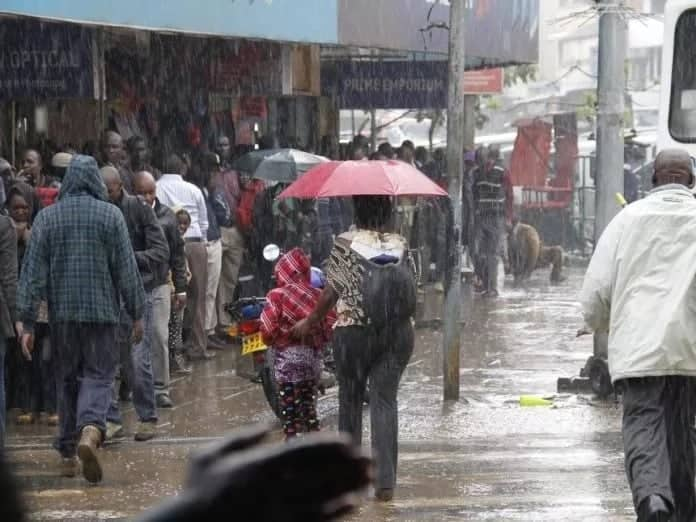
(283,20)
(498,31)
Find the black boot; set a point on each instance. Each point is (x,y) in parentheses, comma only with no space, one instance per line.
(654,509)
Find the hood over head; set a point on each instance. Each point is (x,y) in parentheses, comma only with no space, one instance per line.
(293,268)
(83,177)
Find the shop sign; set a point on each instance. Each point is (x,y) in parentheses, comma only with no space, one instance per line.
(400,84)
(386,85)
(45,60)
(484,81)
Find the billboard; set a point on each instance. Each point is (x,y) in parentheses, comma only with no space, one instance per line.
(399,84)
(498,32)
(283,20)
(45,60)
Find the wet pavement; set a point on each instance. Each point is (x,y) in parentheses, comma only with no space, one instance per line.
(484,458)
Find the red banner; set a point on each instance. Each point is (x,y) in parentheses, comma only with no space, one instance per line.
(484,81)
(530,156)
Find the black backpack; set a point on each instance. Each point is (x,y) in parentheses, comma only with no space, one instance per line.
(389,293)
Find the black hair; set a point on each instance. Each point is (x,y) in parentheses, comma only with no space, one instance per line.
(378,155)
(386,149)
(408,144)
(372,212)
(174,164)
(133,141)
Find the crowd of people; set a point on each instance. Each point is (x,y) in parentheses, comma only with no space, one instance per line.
(116,276)
(118,269)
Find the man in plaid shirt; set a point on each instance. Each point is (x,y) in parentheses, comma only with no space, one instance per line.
(81,261)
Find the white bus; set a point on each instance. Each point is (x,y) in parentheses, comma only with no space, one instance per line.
(677,119)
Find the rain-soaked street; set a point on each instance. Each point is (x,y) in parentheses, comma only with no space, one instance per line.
(485,458)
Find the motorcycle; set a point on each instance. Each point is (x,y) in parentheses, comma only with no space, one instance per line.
(245,314)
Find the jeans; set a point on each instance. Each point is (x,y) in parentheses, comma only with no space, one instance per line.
(161,306)
(136,367)
(86,357)
(3,408)
(363,353)
(658,418)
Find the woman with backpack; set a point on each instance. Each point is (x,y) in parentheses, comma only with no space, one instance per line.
(370,283)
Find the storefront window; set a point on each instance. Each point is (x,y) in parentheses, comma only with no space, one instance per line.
(682,117)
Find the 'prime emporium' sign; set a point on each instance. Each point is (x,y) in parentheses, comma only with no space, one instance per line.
(400,84)
(45,60)
(386,85)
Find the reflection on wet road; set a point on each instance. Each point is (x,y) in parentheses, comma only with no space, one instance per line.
(485,458)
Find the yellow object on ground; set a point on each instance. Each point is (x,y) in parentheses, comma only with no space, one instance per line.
(533,400)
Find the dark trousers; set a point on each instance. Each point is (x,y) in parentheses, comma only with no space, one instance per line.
(86,355)
(658,419)
(361,354)
(194,317)
(38,391)
(490,231)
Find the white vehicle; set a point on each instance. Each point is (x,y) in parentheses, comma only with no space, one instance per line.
(677,118)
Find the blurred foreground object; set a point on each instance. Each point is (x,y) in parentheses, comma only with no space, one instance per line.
(316,478)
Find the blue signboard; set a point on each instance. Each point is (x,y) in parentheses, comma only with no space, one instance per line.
(45,60)
(386,84)
(285,20)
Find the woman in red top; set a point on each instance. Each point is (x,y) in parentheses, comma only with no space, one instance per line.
(297,367)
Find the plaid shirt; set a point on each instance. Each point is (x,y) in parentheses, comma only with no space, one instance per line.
(292,301)
(80,257)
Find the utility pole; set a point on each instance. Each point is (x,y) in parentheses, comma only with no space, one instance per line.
(610,140)
(455,168)
(610,113)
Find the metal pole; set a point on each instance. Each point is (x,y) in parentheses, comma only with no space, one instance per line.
(13,134)
(455,168)
(373,130)
(610,141)
(610,96)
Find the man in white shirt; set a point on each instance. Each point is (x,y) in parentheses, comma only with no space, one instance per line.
(174,191)
(641,288)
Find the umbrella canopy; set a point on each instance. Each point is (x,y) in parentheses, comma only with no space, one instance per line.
(362,178)
(282,165)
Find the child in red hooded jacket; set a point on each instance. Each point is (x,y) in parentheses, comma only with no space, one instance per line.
(297,366)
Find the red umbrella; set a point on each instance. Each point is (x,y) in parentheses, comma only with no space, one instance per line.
(362,178)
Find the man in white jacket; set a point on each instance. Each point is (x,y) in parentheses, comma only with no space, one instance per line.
(641,287)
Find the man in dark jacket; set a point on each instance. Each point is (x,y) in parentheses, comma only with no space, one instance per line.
(146,188)
(493,201)
(8,300)
(152,255)
(81,245)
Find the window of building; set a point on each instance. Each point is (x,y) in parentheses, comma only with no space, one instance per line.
(682,114)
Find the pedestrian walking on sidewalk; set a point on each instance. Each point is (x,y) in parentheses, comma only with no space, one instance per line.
(8,300)
(374,293)
(82,247)
(173,191)
(640,287)
(161,311)
(152,256)
(296,366)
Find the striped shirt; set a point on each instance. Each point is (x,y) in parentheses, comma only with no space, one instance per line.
(173,191)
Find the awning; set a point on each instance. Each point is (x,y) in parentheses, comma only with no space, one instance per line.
(312,21)
(499,32)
